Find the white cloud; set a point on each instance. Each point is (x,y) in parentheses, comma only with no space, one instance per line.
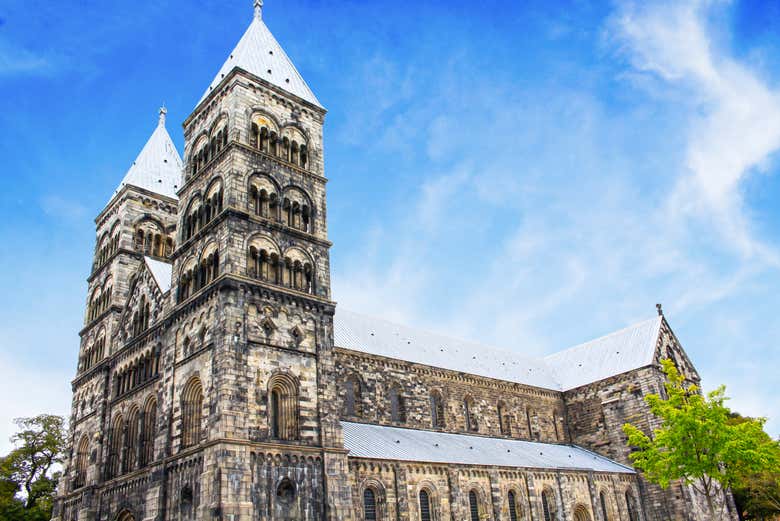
(15,61)
(735,121)
(543,219)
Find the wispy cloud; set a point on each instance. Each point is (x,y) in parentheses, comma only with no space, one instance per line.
(541,215)
(735,126)
(15,61)
(61,208)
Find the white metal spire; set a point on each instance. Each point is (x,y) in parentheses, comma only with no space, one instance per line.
(258,53)
(158,168)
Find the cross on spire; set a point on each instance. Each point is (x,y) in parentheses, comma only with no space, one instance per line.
(259,9)
(163,112)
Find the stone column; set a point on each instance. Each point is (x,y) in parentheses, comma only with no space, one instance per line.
(495,493)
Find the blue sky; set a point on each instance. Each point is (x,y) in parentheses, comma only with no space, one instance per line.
(529,174)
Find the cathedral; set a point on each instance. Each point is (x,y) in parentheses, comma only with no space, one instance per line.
(217,380)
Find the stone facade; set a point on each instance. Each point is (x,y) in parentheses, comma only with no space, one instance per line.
(209,385)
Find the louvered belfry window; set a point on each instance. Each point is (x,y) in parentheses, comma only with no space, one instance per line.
(473,506)
(369,505)
(425,506)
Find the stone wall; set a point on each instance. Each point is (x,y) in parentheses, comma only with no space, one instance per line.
(532,413)
(597,412)
(397,485)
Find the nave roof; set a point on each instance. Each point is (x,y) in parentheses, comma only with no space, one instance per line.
(393,443)
(613,354)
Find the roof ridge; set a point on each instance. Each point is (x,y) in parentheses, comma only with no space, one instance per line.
(633,326)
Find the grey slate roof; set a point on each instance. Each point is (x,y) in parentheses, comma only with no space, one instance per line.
(158,168)
(616,353)
(259,53)
(372,335)
(393,443)
(619,352)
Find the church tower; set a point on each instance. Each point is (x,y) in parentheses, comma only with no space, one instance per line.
(205,387)
(251,335)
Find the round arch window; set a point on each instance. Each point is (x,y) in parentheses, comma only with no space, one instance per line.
(286,491)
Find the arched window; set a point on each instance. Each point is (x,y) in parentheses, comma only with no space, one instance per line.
(115,447)
(633,515)
(149,431)
(548,508)
(304,156)
(425,506)
(437,410)
(581,513)
(473,506)
(469,416)
(369,505)
(192,410)
(603,503)
(352,396)
(82,458)
(397,409)
(503,419)
(283,407)
(125,516)
(512,505)
(131,441)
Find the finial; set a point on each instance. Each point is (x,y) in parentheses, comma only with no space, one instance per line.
(258,9)
(163,112)
(660,310)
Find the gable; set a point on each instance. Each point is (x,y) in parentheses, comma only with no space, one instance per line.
(669,347)
(145,301)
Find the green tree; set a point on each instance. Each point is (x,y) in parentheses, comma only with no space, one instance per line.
(697,442)
(758,496)
(28,479)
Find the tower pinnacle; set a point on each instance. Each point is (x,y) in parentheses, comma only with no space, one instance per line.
(163,112)
(259,9)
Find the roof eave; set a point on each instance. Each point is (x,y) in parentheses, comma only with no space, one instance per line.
(141,190)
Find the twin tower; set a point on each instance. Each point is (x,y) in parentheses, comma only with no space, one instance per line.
(205,385)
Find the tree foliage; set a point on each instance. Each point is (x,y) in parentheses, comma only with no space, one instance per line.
(758,496)
(698,443)
(28,476)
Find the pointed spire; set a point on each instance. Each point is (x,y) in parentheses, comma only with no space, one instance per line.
(258,53)
(158,167)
